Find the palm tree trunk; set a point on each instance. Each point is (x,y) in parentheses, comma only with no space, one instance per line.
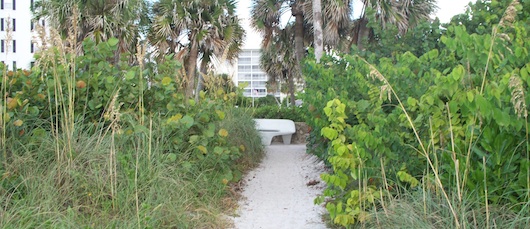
(361,31)
(291,88)
(298,32)
(192,65)
(200,82)
(317,27)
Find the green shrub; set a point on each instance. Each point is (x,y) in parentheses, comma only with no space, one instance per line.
(104,145)
(240,126)
(277,112)
(439,117)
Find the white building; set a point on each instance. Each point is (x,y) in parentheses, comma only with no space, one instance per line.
(250,73)
(247,70)
(16,37)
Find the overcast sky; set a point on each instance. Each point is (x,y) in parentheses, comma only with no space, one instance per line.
(447,9)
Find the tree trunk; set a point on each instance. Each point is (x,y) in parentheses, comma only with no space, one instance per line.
(200,82)
(298,32)
(361,32)
(317,27)
(192,65)
(298,45)
(291,88)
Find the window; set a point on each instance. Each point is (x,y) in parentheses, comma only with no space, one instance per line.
(1,4)
(14,46)
(244,68)
(244,60)
(7,5)
(32,25)
(31,64)
(43,23)
(14,65)
(14,25)
(31,4)
(1,24)
(14,5)
(32,47)
(2,45)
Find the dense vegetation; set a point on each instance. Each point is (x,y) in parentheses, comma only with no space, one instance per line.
(87,143)
(422,124)
(406,134)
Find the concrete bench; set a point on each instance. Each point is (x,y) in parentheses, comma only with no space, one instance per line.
(268,128)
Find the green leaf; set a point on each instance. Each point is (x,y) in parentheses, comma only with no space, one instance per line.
(327,111)
(130,75)
(166,81)
(171,157)
(194,139)
(210,132)
(187,121)
(524,73)
(218,150)
(113,41)
(362,105)
(220,114)
(470,96)
(329,133)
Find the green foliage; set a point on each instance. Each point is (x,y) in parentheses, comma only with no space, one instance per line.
(237,123)
(442,113)
(481,16)
(346,160)
(135,154)
(419,209)
(279,112)
(388,42)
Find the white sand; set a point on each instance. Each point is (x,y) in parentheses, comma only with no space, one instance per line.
(277,195)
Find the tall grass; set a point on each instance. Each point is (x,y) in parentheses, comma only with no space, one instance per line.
(156,194)
(66,172)
(443,205)
(426,209)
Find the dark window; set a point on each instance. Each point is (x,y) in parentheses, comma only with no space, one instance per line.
(14,25)
(2,44)
(31,64)
(1,24)
(32,48)
(32,25)
(14,46)
(1,4)
(14,65)
(43,23)
(14,5)
(31,4)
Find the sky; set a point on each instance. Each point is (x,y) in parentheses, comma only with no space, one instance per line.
(447,9)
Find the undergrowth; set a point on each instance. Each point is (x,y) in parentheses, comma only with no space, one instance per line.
(87,143)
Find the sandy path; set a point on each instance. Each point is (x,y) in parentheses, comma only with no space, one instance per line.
(277,194)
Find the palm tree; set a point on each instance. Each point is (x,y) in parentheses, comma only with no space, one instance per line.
(279,62)
(96,19)
(196,28)
(266,16)
(336,21)
(404,14)
(223,43)
(317,29)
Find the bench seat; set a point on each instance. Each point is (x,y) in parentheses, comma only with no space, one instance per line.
(268,128)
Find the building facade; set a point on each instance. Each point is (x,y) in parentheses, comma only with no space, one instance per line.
(250,74)
(17,46)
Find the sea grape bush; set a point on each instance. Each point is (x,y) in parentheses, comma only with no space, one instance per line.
(466,104)
(194,127)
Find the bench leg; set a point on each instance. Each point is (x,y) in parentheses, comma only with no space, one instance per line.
(287,138)
(266,139)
